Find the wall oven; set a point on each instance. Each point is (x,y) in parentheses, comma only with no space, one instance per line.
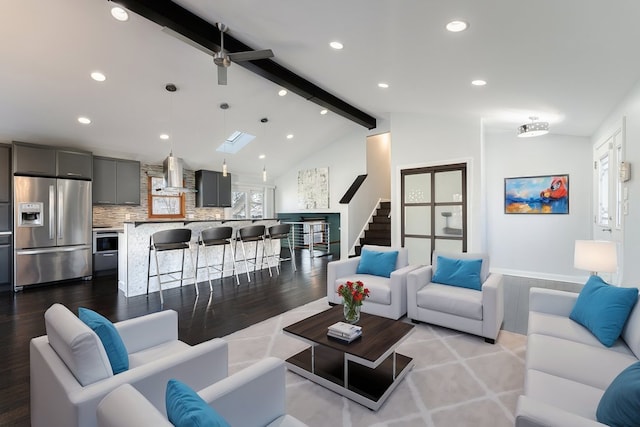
(105,251)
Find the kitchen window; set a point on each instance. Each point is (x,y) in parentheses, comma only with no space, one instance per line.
(163,204)
(251,202)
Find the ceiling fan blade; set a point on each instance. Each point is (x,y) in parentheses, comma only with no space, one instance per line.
(222,76)
(250,55)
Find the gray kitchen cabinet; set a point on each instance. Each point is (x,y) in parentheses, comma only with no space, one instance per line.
(127,182)
(214,190)
(116,181)
(104,181)
(74,164)
(31,159)
(5,173)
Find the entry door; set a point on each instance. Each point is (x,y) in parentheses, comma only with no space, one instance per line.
(434,211)
(609,196)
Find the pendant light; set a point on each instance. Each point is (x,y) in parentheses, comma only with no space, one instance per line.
(533,129)
(264,121)
(172,167)
(224,107)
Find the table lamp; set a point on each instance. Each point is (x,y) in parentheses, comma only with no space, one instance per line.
(596,256)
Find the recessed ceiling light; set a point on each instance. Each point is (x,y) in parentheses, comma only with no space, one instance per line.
(383,85)
(457,26)
(290,136)
(282,92)
(119,13)
(84,120)
(164,136)
(336,45)
(478,82)
(324,111)
(98,76)
(262,156)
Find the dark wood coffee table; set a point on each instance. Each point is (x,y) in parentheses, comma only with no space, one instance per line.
(365,370)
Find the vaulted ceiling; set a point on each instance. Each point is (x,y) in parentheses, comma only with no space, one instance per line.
(569,62)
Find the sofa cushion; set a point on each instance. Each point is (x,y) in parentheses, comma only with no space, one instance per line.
(403,253)
(379,287)
(571,396)
(464,273)
(593,366)
(377,263)
(110,338)
(604,309)
(77,345)
(167,349)
(565,328)
(620,404)
(631,331)
(186,409)
(452,300)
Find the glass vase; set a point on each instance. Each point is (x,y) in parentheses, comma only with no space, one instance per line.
(351,313)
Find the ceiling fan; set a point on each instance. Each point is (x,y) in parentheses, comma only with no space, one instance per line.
(223,60)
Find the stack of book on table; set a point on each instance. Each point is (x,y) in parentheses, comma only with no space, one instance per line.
(344,331)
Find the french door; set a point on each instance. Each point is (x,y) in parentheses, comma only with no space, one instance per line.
(434,210)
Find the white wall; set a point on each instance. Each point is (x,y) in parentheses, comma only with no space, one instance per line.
(419,140)
(539,246)
(346,159)
(630,109)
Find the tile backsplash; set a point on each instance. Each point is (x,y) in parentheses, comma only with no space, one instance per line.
(114,216)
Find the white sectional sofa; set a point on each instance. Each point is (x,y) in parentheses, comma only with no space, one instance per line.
(567,368)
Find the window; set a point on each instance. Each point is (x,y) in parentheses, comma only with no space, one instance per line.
(163,204)
(434,210)
(247,202)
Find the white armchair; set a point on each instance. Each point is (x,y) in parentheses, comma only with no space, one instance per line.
(387,297)
(252,397)
(70,372)
(468,310)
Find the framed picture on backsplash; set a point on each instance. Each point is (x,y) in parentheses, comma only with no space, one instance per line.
(544,194)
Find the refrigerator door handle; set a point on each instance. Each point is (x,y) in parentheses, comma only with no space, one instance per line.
(52,212)
(60,211)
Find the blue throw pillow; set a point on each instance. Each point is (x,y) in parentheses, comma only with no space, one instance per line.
(464,273)
(620,403)
(111,341)
(186,409)
(603,309)
(377,263)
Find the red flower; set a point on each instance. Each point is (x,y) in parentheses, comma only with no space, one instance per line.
(353,293)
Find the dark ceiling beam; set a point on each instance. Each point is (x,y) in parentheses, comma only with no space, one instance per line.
(173,16)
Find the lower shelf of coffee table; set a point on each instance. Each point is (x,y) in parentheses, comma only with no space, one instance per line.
(367,386)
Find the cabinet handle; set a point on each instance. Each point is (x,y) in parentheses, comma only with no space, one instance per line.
(104,201)
(73,174)
(106,255)
(130,203)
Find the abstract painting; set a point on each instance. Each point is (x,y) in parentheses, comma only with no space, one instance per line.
(313,188)
(548,194)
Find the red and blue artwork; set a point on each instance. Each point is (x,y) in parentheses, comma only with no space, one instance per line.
(547,194)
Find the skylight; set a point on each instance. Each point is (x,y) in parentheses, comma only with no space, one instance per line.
(235,142)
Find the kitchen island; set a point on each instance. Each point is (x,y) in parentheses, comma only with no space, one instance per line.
(133,253)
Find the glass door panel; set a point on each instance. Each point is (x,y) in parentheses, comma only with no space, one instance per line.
(419,250)
(448,186)
(448,221)
(417,188)
(447,245)
(417,220)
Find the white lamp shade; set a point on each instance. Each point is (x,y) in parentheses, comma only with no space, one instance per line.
(596,256)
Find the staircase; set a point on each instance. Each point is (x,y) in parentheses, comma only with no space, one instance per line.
(379,230)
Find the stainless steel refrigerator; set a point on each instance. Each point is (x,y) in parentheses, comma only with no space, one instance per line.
(52,230)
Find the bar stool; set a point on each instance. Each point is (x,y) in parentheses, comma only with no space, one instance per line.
(216,236)
(170,240)
(281,232)
(252,233)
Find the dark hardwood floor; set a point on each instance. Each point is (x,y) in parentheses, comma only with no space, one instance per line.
(228,309)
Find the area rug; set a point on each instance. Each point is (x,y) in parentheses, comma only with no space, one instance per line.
(457,380)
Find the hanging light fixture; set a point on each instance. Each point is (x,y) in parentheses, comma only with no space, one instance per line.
(533,129)
(224,107)
(172,167)
(264,121)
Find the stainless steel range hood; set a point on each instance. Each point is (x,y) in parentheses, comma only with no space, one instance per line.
(174,175)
